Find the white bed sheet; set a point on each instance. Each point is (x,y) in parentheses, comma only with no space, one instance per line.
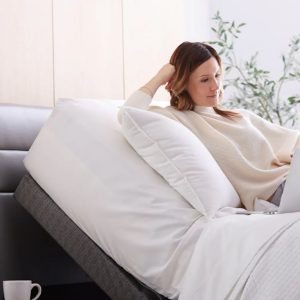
(277,274)
(226,253)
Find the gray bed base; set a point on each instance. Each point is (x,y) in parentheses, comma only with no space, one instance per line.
(107,274)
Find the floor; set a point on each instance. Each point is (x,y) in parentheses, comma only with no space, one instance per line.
(80,291)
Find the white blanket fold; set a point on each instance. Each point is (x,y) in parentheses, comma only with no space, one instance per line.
(226,253)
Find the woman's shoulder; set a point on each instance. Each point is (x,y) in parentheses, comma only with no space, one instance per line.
(242,110)
(244,113)
(250,115)
(163,110)
(170,112)
(168,108)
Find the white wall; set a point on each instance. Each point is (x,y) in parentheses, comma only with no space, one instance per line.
(88,60)
(270,25)
(197,20)
(55,49)
(108,48)
(26,61)
(152,31)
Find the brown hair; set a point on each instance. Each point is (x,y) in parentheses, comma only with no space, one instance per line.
(186,58)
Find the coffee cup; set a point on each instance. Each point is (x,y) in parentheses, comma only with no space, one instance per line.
(20,290)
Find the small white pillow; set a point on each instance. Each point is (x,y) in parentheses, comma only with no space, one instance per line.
(180,157)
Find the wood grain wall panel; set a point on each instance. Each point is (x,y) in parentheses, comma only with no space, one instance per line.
(152,30)
(26,75)
(88,57)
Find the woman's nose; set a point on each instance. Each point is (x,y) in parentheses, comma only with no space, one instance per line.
(215,85)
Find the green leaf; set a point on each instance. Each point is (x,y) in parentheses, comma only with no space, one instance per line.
(291,99)
(283,58)
(225,37)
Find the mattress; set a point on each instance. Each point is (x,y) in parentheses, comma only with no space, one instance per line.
(109,276)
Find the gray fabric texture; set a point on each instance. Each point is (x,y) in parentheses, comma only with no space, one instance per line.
(27,251)
(110,277)
(11,169)
(19,125)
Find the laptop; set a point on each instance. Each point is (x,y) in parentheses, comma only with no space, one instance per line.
(290,199)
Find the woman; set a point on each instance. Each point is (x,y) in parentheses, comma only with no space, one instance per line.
(254,154)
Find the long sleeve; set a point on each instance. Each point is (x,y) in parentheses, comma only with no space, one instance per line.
(138,99)
(142,100)
(283,140)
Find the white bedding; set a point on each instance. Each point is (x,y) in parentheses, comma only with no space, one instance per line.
(228,251)
(160,239)
(277,275)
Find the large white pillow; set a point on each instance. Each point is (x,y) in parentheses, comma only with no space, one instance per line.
(180,157)
(81,159)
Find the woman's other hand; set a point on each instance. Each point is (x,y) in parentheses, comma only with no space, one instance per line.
(166,73)
(162,77)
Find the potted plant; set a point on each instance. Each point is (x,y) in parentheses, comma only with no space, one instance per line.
(252,87)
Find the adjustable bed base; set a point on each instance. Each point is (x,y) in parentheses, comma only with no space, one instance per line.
(111,278)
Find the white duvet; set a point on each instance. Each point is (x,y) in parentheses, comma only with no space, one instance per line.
(277,275)
(82,161)
(227,252)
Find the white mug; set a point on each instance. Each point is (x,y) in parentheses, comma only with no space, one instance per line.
(20,290)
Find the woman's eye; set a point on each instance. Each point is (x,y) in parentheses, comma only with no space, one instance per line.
(218,75)
(204,80)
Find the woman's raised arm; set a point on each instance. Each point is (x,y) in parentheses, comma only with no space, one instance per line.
(143,96)
(162,77)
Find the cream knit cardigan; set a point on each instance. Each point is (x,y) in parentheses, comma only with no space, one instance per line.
(254,154)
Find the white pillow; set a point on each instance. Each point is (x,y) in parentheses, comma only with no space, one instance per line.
(180,157)
(81,159)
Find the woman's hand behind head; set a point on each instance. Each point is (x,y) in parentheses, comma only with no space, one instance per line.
(165,74)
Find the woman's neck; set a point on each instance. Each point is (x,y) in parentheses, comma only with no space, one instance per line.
(204,109)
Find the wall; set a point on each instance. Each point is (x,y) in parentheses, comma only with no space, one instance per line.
(87,48)
(55,49)
(152,30)
(108,48)
(270,25)
(26,61)
(60,48)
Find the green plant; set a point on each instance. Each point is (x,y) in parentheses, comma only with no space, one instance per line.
(252,88)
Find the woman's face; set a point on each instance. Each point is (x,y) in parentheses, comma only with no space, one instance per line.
(204,84)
